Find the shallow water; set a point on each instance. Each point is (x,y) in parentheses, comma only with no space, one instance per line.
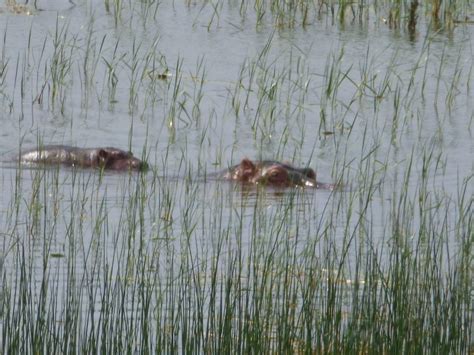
(356,101)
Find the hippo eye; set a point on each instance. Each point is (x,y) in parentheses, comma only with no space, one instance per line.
(102,157)
(102,154)
(275,175)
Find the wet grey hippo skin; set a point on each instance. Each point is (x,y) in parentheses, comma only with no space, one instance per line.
(272,173)
(105,158)
(265,172)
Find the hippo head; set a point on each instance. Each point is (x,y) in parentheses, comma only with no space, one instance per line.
(274,175)
(119,160)
(282,175)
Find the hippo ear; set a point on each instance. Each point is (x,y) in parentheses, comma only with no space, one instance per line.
(247,165)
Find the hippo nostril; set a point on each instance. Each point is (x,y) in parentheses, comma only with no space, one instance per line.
(309,173)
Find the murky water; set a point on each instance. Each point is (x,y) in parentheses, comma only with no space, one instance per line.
(194,91)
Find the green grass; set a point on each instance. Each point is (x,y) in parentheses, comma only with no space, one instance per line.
(167,262)
(198,283)
(396,14)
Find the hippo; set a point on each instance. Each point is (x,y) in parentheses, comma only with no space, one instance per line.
(104,158)
(273,173)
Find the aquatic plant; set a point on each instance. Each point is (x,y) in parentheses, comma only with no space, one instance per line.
(170,261)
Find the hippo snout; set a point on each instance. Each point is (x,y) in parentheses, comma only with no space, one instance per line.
(130,163)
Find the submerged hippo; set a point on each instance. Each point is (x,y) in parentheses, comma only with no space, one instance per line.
(273,173)
(104,158)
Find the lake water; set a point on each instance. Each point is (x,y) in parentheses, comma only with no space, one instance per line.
(193,88)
